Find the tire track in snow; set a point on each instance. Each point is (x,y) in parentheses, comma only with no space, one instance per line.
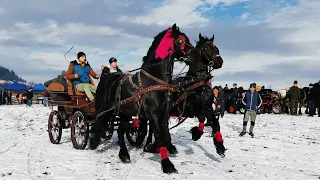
(16,129)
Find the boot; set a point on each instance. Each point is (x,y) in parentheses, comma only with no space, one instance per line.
(242,133)
(251,134)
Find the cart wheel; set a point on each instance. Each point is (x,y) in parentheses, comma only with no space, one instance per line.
(276,108)
(54,127)
(134,137)
(79,131)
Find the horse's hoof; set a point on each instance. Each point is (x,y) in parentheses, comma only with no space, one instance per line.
(173,150)
(196,134)
(168,167)
(126,160)
(93,143)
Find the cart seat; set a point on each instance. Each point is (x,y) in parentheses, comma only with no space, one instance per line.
(72,91)
(55,87)
(56,92)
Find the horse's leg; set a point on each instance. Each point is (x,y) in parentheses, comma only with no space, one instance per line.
(198,131)
(160,131)
(216,134)
(142,130)
(95,132)
(171,148)
(150,147)
(123,128)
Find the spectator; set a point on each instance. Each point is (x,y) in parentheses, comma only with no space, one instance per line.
(294,94)
(20,99)
(226,89)
(252,102)
(9,98)
(234,97)
(29,97)
(311,98)
(217,103)
(316,88)
(4,97)
(1,97)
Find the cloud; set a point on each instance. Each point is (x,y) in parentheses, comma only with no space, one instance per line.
(171,11)
(255,38)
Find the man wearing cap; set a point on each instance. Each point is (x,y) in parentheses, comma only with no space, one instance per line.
(112,67)
(294,95)
(252,101)
(79,71)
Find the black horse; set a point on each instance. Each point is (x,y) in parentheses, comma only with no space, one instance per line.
(143,94)
(197,101)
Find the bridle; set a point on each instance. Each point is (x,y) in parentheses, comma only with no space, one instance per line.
(181,43)
(211,59)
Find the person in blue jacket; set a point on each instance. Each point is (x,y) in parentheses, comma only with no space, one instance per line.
(252,101)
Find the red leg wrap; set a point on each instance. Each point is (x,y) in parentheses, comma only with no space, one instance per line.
(136,122)
(218,136)
(163,152)
(201,127)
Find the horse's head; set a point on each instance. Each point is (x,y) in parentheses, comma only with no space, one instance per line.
(175,44)
(210,52)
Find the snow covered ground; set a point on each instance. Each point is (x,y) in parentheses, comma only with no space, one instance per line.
(285,147)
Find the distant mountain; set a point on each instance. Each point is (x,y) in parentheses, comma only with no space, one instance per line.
(9,75)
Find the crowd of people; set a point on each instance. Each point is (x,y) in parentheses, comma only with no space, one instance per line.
(228,100)
(9,97)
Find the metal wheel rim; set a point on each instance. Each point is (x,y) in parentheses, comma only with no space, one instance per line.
(55,124)
(80,130)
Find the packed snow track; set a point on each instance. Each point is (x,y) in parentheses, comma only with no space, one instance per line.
(284,147)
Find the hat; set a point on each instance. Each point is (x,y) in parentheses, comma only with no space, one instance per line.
(234,84)
(216,87)
(295,82)
(310,84)
(80,54)
(111,60)
(63,73)
(227,84)
(252,85)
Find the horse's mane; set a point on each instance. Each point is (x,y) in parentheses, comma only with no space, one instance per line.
(155,44)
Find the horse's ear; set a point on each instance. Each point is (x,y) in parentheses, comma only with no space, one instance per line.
(175,29)
(212,39)
(200,37)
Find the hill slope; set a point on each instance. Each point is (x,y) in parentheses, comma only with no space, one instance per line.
(9,75)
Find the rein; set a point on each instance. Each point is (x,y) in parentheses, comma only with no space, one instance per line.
(140,90)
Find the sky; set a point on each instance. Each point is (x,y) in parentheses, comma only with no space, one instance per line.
(270,42)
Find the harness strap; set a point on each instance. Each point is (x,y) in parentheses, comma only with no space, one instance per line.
(153,78)
(136,96)
(184,95)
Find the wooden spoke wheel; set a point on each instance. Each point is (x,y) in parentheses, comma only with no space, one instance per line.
(54,127)
(79,131)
